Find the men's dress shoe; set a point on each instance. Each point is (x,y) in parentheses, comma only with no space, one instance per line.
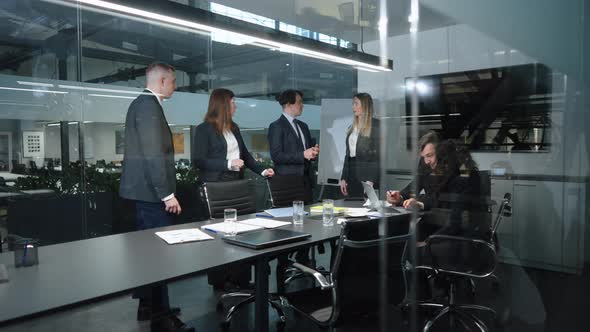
(169,323)
(144,312)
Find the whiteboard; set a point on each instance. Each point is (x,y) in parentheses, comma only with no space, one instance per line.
(335,118)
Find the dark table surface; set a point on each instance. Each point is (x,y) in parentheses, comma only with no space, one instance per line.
(82,271)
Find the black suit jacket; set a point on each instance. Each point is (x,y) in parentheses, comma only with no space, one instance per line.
(448,197)
(210,153)
(368,157)
(148,164)
(286,149)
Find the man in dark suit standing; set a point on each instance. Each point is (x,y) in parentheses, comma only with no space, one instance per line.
(149,179)
(292,148)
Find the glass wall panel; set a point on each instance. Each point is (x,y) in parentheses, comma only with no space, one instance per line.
(116,51)
(507,101)
(39,120)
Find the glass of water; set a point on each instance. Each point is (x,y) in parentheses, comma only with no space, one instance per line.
(328,212)
(298,212)
(230,216)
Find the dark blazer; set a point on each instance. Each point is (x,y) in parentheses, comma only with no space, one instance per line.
(368,157)
(210,153)
(148,164)
(286,149)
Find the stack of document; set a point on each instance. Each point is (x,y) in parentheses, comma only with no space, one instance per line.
(357,212)
(266,223)
(224,227)
(320,209)
(281,212)
(183,235)
(247,225)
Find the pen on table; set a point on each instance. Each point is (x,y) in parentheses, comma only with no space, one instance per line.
(264,215)
(210,230)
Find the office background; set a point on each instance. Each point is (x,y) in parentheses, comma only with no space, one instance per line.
(68,74)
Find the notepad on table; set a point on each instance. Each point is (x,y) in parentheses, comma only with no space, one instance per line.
(266,223)
(183,235)
(223,227)
(281,212)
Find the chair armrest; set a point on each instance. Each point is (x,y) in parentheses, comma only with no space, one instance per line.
(452,238)
(324,284)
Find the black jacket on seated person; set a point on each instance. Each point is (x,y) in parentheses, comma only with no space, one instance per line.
(210,154)
(447,198)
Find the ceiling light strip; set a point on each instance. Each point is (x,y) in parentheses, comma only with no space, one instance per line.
(202,27)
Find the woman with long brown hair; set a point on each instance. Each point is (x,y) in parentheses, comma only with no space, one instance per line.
(363,156)
(220,152)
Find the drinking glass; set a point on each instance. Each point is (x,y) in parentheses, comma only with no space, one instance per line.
(328,212)
(230,216)
(298,212)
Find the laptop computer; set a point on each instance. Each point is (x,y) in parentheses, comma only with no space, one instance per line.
(266,238)
(375,203)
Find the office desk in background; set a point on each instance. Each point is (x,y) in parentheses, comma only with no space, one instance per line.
(80,272)
(8,194)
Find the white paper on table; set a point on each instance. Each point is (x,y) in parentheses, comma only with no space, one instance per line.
(282,212)
(357,212)
(340,220)
(183,235)
(223,227)
(384,203)
(264,222)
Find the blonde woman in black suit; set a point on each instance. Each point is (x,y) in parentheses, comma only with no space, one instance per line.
(363,156)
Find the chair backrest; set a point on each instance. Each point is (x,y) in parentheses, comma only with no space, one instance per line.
(358,262)
(284,189)
(228,194)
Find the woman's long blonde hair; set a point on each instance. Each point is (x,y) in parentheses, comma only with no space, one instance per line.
(364,122)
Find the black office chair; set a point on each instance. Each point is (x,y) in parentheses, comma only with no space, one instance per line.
(284,189)
(228,194)
(352,286)
(453,259)
(236,195)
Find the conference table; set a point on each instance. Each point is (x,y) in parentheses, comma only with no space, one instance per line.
(80,272)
